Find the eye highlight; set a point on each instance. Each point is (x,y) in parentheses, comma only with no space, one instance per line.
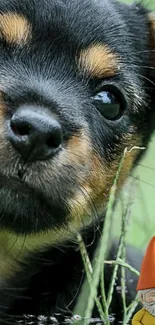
(109,103)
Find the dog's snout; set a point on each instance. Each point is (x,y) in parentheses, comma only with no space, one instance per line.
(34,133)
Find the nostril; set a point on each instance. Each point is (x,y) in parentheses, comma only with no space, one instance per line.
(54,140)
(21,128)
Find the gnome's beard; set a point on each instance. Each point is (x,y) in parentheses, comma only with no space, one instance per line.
(150,307)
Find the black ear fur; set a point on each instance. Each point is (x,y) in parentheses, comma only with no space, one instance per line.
(151,69)
(151,43)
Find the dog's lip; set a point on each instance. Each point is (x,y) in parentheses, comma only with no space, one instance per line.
(14,177)
(17,176)
(14,180)
(11,178)
(14,184)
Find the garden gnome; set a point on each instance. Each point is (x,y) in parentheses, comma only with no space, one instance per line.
(146,288)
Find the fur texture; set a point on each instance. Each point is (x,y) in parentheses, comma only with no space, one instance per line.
(56,57)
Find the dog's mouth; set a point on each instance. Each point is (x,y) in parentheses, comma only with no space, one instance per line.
(28,207)
(42,196)
(16,180)
(15,183)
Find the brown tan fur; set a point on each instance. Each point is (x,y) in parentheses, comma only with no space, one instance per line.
(98,61)
(94,192)
(14,28)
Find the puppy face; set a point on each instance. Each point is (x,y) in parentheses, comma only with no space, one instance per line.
(74,93)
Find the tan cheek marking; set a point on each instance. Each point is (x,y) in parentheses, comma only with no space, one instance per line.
(95,190)
(77,152)
(2,111)
(129,141)
(82,203)
(79,148)
(98,61)
(14,28)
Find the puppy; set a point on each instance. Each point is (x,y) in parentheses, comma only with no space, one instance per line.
(76,89)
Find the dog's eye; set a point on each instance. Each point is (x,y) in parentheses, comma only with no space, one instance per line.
(109,104)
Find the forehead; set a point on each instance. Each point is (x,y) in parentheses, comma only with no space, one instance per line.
(54,33)
(78,23)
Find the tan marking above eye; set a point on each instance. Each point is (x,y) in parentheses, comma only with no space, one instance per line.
(14,28)
(99,61)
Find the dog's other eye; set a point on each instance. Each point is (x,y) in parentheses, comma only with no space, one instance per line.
(109,104)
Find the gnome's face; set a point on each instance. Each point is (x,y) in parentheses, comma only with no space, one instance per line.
(148,300)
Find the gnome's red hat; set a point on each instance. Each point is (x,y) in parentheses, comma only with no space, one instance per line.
(147,272)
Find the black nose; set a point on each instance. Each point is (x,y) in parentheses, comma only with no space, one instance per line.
(34,133)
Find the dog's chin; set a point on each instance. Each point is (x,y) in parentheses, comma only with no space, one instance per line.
(24,210)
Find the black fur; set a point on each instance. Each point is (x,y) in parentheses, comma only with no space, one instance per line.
(44,72)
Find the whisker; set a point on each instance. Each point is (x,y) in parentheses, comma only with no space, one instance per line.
(76,294)
(147,79)
(146,67)
(3,258)
(144,51)
(22,246)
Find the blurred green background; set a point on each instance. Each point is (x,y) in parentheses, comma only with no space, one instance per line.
(139,194)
